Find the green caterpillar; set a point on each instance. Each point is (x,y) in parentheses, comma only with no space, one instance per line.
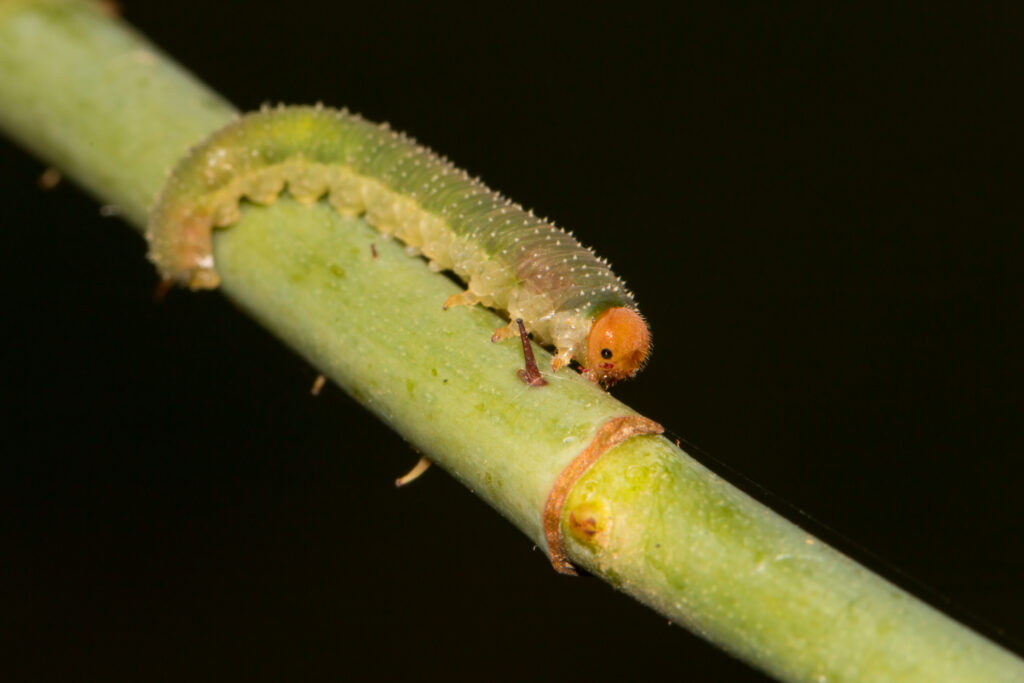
(509,259)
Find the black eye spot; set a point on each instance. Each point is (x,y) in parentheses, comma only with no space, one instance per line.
(606,353)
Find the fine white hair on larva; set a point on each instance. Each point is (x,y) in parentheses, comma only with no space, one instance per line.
(510,259)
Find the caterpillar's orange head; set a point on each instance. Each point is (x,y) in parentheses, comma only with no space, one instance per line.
(618,345)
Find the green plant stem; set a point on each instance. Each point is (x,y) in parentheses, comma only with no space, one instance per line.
(70,73)
(92,97)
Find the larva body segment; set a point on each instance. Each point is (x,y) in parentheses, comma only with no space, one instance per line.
(509,259)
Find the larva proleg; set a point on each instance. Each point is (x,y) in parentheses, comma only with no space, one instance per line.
(509,259)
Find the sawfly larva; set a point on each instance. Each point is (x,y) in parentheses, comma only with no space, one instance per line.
(509,259)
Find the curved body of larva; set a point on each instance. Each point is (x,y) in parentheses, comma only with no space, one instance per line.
(509,259)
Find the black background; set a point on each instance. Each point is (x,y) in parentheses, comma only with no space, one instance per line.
(820,215)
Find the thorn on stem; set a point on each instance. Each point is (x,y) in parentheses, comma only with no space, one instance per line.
(160,293)
(412,475)
(531,373)
(49,179)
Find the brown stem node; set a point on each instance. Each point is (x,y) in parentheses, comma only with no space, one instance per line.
(611,434)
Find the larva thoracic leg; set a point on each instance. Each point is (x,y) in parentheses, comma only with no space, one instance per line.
(515,262)
(561,359)
(505,332)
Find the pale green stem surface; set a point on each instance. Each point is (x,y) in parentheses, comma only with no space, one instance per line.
(93,98)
